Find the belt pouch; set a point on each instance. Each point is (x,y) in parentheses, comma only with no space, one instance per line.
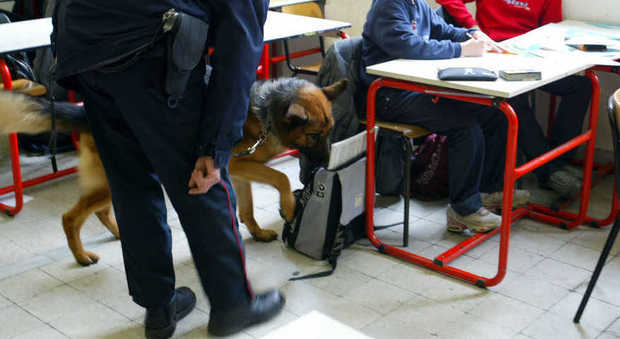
(185,47)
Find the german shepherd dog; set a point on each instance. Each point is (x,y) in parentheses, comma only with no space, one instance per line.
(290,113)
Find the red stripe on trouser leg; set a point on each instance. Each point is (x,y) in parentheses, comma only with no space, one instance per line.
(232,218)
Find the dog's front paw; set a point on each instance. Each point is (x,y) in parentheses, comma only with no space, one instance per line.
(265,235)
(86,258)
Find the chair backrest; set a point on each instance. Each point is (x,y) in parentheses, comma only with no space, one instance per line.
(311,9)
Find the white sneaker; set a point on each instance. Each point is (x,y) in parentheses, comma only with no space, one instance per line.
(480,222)
(493,201)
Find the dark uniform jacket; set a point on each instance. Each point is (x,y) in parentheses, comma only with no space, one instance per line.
(88,32)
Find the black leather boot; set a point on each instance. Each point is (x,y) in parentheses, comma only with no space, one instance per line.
(262,308)
(161,322)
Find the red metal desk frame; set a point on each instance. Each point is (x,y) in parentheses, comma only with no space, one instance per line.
(601,171)
(511,174)
(19,185)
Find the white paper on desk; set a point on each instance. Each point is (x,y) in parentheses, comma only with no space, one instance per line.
(348,149)
(9,199)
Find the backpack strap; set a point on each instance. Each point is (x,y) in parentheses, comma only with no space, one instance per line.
(337,247)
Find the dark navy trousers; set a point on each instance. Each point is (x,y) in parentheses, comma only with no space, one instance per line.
(476,137)
(144,144)
(575,92)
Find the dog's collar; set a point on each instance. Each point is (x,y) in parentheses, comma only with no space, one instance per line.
(252,149)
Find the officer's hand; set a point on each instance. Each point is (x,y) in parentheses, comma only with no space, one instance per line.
(204,176)
(472,48)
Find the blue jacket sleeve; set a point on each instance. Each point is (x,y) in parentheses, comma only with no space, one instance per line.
(238,42)
(440,30)
(392,32)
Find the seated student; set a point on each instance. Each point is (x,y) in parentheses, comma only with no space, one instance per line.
(501,20)
(409,29)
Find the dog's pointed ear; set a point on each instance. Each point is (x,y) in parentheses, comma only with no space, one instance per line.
(296,115)
(334,90)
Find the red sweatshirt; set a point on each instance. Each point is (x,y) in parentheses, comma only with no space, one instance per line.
(504,19)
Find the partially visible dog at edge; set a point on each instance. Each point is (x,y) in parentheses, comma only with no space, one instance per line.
(293,113)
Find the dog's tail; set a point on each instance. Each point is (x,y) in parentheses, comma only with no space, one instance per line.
(21,113)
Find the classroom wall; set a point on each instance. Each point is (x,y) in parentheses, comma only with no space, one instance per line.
(605,11)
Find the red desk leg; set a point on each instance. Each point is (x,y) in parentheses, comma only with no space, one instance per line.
(606,169)
(511,174)
(19,185)
(568,220)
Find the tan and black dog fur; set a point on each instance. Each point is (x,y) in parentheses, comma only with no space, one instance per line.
(295,113)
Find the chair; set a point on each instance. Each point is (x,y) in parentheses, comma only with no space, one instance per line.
(614,120)
(408,133)
(310,9)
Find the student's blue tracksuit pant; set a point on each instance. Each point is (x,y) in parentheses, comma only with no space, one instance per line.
(144,144)
(575,92)
(476,137)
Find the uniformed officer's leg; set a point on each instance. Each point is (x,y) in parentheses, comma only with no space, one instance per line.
(169,136)
(137,198)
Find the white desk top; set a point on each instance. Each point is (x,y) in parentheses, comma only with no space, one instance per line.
(31,34)
(274,4)
(281,26)
(25,35)
(425,72)
(551,38)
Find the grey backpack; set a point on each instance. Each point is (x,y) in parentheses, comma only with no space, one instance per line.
(329,214)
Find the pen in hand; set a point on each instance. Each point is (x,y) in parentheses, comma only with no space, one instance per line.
(492,44)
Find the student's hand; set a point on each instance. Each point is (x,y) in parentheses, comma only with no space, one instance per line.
(491,45)
(472,48)
(204,176)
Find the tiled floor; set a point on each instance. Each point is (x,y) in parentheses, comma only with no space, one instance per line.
(45,294)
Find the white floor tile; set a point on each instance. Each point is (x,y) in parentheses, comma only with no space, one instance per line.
(505,311)
(614,328)
(536,243)
(342,281)
(367,260)
(46,332)
(379,296)
(27,285)
(4,302)
(607,335)
(15,321)
(519,260)
(391,327)
(577,255)
(551,325)
(559,273)
(540,294)
(56,303)
(92,321)
(68,270)
(11,253)
(597,314)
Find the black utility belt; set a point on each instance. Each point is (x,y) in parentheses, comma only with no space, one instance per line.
(185,38)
